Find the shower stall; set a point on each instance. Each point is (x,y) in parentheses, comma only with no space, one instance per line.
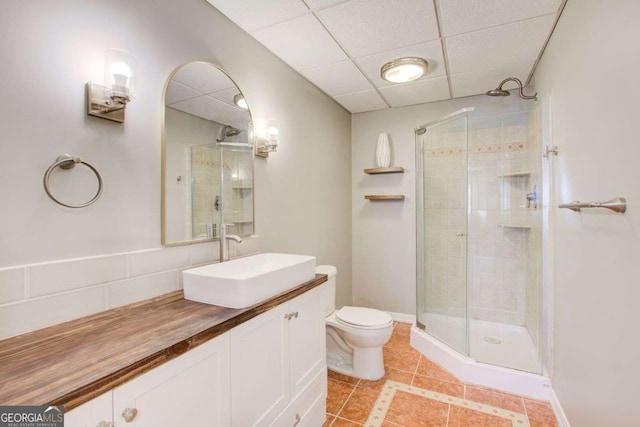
(479,235)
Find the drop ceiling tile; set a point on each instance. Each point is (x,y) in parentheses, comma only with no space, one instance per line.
(203,77)
(322,4)
(431,51)
(417,92)
(338,79)
(364,27)
(358,102)
(301,42)
(252,15)
(177,92)
(481,81)
(463,16)
(208,108)
(494,47)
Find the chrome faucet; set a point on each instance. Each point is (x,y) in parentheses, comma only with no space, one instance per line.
(224,245)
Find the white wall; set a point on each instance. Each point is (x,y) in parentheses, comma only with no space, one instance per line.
(589,75)
(384,233)
(50,49)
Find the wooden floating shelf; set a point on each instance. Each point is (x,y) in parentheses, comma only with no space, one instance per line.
(379,197)
(514,174)
(376,171)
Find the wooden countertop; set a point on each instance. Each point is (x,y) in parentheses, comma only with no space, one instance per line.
(73,362)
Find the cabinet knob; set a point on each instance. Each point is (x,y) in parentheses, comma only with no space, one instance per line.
(105,424)
(297,420)
(295,314)
(129,414)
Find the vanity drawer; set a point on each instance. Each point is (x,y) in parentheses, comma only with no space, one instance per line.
(308,409)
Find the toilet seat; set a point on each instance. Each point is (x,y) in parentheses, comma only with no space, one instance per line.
(363,318)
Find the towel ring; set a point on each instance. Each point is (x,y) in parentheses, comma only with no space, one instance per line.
(65,161)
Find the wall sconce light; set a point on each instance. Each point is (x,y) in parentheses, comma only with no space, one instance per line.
(264,146)
(109,101)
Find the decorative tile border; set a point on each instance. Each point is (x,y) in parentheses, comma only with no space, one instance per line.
(383,403)
(479,149)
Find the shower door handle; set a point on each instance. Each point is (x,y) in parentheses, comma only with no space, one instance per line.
(461,234)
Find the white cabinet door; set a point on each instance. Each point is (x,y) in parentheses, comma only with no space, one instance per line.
(190,390)
(92,413)
(259,364)
(307,340)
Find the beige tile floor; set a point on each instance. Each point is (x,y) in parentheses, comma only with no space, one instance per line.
(417,392)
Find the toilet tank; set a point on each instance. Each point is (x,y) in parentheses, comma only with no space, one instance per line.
(330,286)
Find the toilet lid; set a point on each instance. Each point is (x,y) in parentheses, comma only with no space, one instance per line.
(360,316)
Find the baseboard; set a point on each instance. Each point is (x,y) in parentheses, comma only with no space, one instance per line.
(563,421)
(403,318)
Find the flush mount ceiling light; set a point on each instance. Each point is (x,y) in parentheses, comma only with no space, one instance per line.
(240,101)
(404,70)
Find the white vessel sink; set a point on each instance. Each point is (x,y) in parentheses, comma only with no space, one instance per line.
(247,281)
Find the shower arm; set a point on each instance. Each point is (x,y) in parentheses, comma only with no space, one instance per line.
(520,86)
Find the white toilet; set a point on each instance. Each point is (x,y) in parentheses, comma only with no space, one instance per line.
(355,335)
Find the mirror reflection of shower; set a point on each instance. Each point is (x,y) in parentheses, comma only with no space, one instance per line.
(227,132)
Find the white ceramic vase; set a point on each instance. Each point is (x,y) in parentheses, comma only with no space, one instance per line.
(383,151)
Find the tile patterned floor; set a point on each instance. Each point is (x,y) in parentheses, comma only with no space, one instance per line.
(417,392)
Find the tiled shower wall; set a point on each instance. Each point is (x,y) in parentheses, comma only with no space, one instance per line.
(205,187)
(501,173)
(504,254)
(40,295)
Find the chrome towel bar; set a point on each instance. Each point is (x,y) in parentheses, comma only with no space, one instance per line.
(617,204)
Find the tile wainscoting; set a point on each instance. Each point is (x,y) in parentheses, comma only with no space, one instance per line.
(35,296)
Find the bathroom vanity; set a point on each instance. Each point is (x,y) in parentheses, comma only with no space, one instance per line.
(169,361)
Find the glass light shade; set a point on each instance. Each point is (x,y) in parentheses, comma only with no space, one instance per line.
(273,134)
(120,74)
(404,70)
(240,101)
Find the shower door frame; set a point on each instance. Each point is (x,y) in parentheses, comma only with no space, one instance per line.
(420,230)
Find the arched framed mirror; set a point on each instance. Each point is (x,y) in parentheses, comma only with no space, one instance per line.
(207,156)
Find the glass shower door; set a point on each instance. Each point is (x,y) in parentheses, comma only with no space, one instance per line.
(442,152)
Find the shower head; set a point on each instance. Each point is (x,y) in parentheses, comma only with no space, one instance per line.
(227,132)
(501,92)
(497,92)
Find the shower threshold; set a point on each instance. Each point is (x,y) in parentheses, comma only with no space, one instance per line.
(471,371)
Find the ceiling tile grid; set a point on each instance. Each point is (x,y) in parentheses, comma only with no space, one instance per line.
(340,45)
(252,15)
(418,92)
(496,46)
(367,100)
(463,16)
(365,27)
(301,42)
(350,78)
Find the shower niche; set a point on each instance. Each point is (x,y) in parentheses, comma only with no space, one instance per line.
(479,221)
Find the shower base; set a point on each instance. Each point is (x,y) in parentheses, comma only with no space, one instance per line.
(499,344)
(515,350)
